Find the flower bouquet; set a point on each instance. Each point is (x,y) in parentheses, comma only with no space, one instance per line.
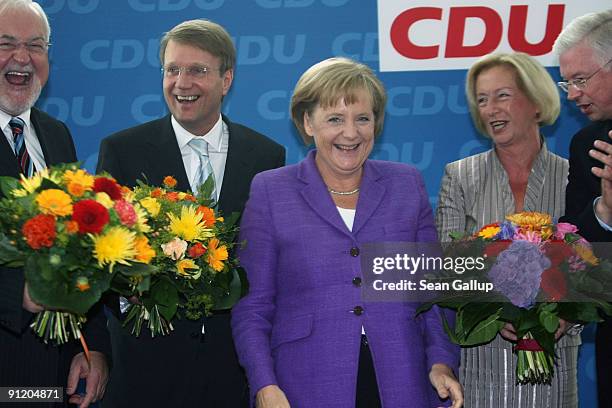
(72,233)
(541,272)
(195,272)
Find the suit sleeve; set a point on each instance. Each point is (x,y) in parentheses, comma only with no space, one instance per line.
(252,316)
(579,198)
(438,347)
(450,213)
(12,315)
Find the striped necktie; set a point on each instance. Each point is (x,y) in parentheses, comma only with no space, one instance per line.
(204,170)
(23,158)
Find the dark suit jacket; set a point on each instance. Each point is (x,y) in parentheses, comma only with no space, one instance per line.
(583,187)
(24,359)
(184,368)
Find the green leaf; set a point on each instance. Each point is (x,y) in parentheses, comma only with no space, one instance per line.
(57,290)
(235,291)
(9,255)
(485,331)
(477,312)
(165,295)
(8,184)
(550,321)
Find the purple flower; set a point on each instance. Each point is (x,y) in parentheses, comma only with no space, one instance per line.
(506,231)
(517,273)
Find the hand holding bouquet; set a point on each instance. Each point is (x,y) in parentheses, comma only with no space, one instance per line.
(72,233)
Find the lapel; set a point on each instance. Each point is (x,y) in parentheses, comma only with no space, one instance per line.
(370,196)
(166,156)
(316,195)
(238,169)
(8,161)
(43,138)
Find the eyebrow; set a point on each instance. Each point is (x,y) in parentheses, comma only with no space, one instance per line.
(12,38)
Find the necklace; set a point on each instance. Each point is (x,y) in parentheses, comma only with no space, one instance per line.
(343,193)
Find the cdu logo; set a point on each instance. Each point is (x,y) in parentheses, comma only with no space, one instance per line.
(257,49)
(147,6)
(271,4)
(81,110)
(75,6)
(119,54)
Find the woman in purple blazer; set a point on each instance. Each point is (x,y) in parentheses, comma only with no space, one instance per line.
(299,331)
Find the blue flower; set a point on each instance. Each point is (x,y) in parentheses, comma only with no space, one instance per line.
(517,273)
(506,231)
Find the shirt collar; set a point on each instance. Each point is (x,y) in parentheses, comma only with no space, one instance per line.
(213,137)
(5,118)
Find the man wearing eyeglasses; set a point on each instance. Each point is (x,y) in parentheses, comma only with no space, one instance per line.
(190,366)
(585,58)
(31,141)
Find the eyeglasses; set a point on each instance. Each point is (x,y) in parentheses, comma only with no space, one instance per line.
(195,71)
(579,83)
(37,47)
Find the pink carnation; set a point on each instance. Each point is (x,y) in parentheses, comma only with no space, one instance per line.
(565,228)
(125,211)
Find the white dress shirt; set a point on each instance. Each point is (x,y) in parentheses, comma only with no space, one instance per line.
(31,139)
(217,139)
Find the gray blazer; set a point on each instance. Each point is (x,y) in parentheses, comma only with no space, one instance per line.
(474,192)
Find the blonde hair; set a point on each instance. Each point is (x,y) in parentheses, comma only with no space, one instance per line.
(531,78)
(327,82)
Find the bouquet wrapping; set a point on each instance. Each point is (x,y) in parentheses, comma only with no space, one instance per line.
(72,233)
(195,272)
(541,272)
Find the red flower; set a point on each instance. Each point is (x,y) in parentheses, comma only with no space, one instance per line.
(108,186)
(196,250)
(125,211)
(553,284)
(557,251)
(90,215)
(496,247)
(39,231)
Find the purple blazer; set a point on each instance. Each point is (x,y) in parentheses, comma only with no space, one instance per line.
(296,328)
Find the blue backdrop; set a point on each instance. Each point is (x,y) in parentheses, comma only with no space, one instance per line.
(105,76)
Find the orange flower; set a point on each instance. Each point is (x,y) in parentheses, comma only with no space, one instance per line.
(169,181)
(82,284)
(144,252)
(171,196)
(190,197)
(208,216)
(216,254)
(39,231)
(76,189)
(54,202)
(71,226)
(157,193)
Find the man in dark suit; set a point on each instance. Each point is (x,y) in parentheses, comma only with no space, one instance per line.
(585,58)
(191,366)
(24,359)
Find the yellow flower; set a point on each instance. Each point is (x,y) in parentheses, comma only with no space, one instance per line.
(115,246)
(489,231)
(151,205)
(530,221)
(105,200)
(216,256)
(144,252)
(141,219)
(586,253)
(79,177)
(188,269)
(54,202)
(189,225)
